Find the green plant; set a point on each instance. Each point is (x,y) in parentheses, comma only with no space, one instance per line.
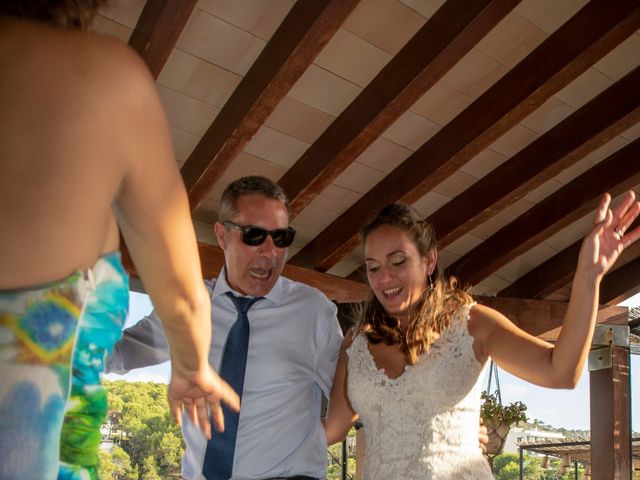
(493,413)
(498,419)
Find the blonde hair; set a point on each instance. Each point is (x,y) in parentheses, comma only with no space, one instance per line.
(441,300)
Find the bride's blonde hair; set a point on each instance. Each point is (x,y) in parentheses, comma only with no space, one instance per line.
(441,300)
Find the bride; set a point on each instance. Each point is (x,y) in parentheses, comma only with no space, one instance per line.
(411,368)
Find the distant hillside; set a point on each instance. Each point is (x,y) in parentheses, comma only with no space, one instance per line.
(539,424)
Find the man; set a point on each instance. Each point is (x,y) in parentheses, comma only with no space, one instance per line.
(293,345)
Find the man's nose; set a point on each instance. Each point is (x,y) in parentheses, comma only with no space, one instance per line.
(268,248)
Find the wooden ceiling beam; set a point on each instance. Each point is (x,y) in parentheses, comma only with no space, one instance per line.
(607,115)
(558,271)
(538,317)
(159,26)
(621,284)
(443,40)
(335,288)
(546,278)
(594,31)
(616,174)
(301,36)
(544,318)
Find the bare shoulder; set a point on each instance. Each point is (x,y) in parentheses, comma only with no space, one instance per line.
(111,66)
(81,61)
(482,320)
(479,312)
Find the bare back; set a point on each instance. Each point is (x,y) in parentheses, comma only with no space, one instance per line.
(72,108)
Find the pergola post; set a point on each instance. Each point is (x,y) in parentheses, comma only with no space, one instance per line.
(359,452)
(609,362)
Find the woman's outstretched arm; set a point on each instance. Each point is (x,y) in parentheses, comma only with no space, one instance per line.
(154,217)
(560,365)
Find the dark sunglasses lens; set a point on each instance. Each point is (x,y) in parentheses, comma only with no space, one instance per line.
(283,238)
(253,236)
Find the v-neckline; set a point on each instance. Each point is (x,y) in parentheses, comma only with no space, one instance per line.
(381,370)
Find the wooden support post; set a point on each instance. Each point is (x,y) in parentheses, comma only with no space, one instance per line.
(359,454)
(521,452)
(610,413)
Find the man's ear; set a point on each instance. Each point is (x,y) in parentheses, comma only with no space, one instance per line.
(220,235)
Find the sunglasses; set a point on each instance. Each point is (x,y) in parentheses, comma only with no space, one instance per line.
(254,236)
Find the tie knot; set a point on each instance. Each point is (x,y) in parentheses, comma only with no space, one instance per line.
(243,304)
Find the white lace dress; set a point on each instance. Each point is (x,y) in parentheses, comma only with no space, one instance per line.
(423,425)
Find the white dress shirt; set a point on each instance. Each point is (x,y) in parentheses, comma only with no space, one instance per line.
(293,348)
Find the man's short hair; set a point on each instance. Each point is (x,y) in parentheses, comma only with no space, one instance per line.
(250,185)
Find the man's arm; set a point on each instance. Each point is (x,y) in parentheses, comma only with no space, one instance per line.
(141,345)
(329,340)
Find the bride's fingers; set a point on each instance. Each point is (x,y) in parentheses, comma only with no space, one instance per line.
(632,235)
(628,218)
(624,212)
(603,208)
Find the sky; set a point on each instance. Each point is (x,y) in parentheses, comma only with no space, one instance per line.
(560,408)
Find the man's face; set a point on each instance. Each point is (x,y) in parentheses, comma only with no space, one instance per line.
(253,270)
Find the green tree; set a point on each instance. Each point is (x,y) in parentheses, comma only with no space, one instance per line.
(169,452)
(122,464)
(149,470)
(140,419)
(507,467)
(106,468)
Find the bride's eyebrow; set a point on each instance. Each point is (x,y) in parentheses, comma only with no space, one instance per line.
(391,254)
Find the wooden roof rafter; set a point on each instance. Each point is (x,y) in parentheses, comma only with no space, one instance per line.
(159,26)
(335,288)
(595,30)
(443,40)
(621,283)
(616,174)
(478,39)
(607,115)
(558,271)
(306,29)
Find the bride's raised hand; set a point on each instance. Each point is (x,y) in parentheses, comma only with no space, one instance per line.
(609,236)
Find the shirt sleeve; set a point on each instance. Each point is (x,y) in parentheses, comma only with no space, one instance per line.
(328,341)
(141,345)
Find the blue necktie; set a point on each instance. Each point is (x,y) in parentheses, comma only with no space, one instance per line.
(218,459)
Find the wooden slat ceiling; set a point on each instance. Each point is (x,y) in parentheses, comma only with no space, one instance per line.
(501,121)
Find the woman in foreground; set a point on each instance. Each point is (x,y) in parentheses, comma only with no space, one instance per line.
(85,148)
(411,369)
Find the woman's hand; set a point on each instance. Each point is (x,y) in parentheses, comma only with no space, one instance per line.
(609,237)
(199,392)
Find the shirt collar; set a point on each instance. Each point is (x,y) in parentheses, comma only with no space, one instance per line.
(221,287)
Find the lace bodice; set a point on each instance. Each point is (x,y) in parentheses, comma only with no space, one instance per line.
(422,425)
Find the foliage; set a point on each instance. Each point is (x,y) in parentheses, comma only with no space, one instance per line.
(150,444)
(493,413)
(149,469)
(106,465)
(334,467)
(507,467)
(116,465)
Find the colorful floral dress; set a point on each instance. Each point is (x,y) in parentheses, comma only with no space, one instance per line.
(54,339)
